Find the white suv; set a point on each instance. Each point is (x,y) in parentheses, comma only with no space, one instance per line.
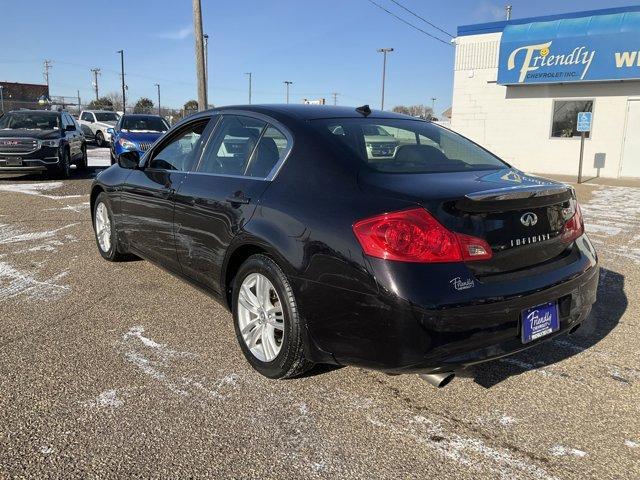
(95,123)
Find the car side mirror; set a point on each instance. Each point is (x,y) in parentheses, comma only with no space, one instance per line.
(70,128)
(111,131)
(129,159)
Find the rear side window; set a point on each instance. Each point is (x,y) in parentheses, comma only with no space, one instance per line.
(407,146)
(229,150)
(272,147)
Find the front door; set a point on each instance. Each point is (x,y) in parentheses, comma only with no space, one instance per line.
(631,147)
(220,196)
(147,200)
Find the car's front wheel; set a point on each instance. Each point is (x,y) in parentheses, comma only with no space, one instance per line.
(100,139)
(105,230)
(82,163)
(64,165)
(266,319)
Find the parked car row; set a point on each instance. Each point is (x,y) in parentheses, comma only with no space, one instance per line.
(41,141)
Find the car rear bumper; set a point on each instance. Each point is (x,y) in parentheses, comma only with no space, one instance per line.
(396,333)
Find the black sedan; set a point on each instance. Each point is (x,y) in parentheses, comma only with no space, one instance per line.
(428,260)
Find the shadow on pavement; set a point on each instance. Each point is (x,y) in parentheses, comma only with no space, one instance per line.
(611,303)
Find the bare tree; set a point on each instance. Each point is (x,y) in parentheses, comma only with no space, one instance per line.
(421,111)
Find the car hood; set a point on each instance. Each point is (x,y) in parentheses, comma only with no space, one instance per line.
(106,124)
(39,134)
(429,187)
(140,136)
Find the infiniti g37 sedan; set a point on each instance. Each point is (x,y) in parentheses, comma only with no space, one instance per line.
(429,259)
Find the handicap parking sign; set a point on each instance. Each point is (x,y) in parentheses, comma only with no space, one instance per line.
(584,121)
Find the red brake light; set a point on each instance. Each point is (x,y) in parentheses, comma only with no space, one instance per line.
(574,227)
(415,236)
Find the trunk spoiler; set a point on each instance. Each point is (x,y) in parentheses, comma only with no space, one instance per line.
(515,198)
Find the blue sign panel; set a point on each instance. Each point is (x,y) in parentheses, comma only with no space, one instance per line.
(584,122)
(584,49)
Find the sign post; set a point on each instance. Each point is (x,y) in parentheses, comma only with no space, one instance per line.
(583,126)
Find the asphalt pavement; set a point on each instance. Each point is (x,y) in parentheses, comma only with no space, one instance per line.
(121,370)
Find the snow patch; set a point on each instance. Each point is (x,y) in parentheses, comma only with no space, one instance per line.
(631,444)
(14,283)
(107,399)
(562,451)
(37,189)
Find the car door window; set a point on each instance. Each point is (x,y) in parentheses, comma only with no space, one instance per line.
(179,152)
(272,147)
(231,146)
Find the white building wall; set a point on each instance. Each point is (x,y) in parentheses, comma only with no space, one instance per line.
(514,122)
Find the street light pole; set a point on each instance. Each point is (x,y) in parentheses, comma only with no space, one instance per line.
(200,65)
(433,105)
(124,95)
(384,52)
(249,74)
(1,98)
(96,72)
(287,83)
(158,86)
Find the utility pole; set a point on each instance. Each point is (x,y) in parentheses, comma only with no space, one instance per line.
(508,9)
(1,98)
(79,104)
(124,96)
(249,74)
(200,66)
(158,87)
(384,52)
(287,83)
(47,65)
(433,105)
(335,97)
(96,72)
(205,38)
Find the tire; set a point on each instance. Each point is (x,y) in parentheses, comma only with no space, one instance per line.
(82,163)
(112,253)
(289,360)
(64,167)
(113,157)
(99,139)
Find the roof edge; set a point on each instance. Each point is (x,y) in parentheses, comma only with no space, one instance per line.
(494,27)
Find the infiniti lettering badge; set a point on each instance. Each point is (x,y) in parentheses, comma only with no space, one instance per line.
(529,219)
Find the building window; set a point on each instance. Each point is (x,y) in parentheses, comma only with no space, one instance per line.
(565,117)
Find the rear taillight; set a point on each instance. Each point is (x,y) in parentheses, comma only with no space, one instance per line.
(415,236)
(574,227)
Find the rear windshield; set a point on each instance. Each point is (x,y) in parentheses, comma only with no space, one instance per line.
(407,146)
(30,121)
(144,124)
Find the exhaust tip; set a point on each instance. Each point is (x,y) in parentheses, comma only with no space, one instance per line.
(438,380)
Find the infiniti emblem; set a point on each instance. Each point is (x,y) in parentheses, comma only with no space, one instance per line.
(529,219)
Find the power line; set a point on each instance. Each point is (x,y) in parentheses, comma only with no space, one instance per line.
(409,23)
(421,18)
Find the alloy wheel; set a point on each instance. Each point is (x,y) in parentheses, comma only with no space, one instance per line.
(260,317)
(103,227)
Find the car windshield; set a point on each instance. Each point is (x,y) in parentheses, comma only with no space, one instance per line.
(30,121)
(107,116)
(144,124)
(406,146)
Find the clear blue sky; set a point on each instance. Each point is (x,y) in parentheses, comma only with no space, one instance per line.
(321,45)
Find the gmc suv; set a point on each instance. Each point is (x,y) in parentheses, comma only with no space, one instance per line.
(41,141)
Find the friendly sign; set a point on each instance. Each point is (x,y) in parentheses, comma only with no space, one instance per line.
(584,122)
(592,48)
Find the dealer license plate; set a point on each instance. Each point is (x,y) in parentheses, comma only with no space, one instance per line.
(539,321)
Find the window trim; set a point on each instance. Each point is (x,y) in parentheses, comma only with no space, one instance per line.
(574,137)
(258,116)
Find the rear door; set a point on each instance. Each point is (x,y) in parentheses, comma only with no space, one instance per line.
(219,197)
(147,201)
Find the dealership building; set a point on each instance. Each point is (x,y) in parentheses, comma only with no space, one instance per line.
(520,84)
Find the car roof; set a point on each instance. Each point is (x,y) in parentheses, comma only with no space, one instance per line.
(141,115)
(312,112)
(32,110)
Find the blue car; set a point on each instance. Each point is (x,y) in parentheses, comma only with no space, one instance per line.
(136,132)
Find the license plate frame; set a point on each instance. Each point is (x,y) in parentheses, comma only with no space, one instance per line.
(13,162)
(539,321)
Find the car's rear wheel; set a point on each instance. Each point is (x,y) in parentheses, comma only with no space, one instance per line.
(100,139)
(105,230)
(266,319)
